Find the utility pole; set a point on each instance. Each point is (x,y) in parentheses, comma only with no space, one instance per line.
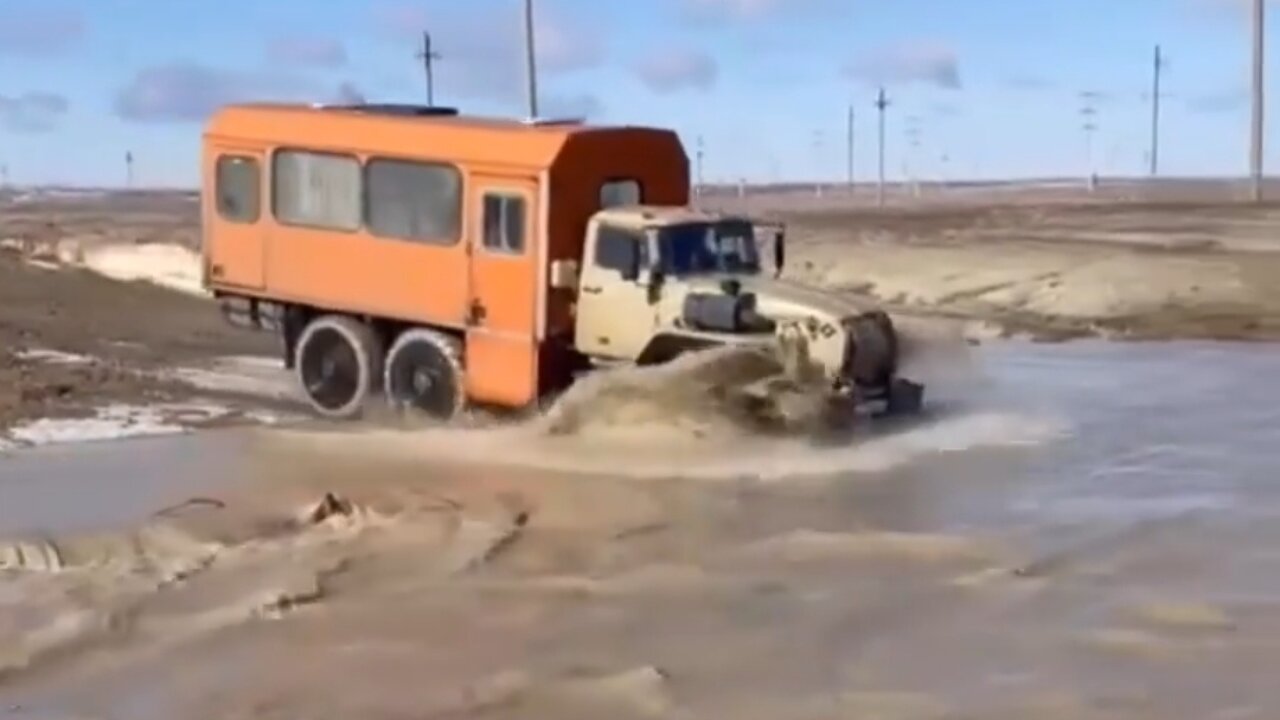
(531,67)
(701,153)
(128,169)
(817,156)
(1256,141)
(882,104)
(1155,113)
(1090,125)
(913,155)
(428,56)
(849,160)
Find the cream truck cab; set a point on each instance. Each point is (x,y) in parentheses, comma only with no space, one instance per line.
(656,282)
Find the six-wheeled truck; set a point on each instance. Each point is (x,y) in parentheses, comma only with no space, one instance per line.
(434,260)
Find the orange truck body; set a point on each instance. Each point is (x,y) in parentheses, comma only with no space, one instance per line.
(267,256)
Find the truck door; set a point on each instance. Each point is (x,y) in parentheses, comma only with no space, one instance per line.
(615,318)
(233,213)
(502,346)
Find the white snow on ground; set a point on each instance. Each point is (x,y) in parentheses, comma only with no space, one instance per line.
(115,422)
(257,376)
(171,266)
(52,357)
(253,376)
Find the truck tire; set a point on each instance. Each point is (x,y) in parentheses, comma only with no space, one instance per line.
(423,373)
(338,361)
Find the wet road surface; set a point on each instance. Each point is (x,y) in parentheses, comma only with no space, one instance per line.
(1083,531)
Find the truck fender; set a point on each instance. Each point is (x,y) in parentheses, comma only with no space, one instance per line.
(665,347)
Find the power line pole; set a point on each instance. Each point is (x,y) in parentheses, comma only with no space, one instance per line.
(818,142)
(1090,125)
(849,159)
(428,57)
(1256,141)
(531,67)
(914,174)
(882,103)
(701,153)
(1155,113)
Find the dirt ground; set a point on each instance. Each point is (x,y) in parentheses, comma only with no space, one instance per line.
(1179,260)
(119,328)
(1056,267)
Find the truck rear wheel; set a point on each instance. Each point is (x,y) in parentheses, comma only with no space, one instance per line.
(338,361)
(424,374)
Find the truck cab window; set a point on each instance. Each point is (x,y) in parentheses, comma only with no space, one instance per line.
(504,224)
(618,193)
(238,189)
(617,248)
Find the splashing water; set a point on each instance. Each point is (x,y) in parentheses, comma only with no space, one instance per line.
(683,419)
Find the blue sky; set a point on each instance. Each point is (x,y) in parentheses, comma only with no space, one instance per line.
(995,87)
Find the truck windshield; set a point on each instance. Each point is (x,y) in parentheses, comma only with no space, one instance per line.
(691,248)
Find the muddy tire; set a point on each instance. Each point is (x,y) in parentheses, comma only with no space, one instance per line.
(424,374)
(338,361)
(875,350)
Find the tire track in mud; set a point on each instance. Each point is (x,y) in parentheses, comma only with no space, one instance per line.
(124,597)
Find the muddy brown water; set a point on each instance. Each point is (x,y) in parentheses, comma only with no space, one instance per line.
(1080,531)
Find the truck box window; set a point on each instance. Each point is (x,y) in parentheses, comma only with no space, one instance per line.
(237,188)
(414,201)
(616,193)
(504,223)
(319,190)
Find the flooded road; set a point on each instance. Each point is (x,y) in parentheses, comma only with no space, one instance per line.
(1080,531)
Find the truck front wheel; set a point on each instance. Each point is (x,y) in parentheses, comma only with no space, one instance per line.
(424,374)
(338,361)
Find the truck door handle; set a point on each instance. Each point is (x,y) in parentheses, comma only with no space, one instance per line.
(475,313)
(592,290)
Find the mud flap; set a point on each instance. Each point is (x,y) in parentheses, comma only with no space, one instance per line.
(904,397)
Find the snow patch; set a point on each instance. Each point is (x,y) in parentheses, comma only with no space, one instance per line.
(115,422)
(171,266)
(52,357)
(245,375)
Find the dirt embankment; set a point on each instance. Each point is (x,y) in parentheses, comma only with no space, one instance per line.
(1134,271)
(108,335)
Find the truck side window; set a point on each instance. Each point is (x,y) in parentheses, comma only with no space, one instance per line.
(504,217)
(615,193)
(238,188)
(318,190)
(413,201)
(616,248)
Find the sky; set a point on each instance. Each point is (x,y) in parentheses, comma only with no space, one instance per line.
(976,88)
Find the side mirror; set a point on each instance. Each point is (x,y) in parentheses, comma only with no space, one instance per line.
(564,274)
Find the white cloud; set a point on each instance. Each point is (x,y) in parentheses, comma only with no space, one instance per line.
(306,50)
(32,112)
(181,92)
(668,71)
(37,28)
(482,50)
(916,62)
(732,10)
